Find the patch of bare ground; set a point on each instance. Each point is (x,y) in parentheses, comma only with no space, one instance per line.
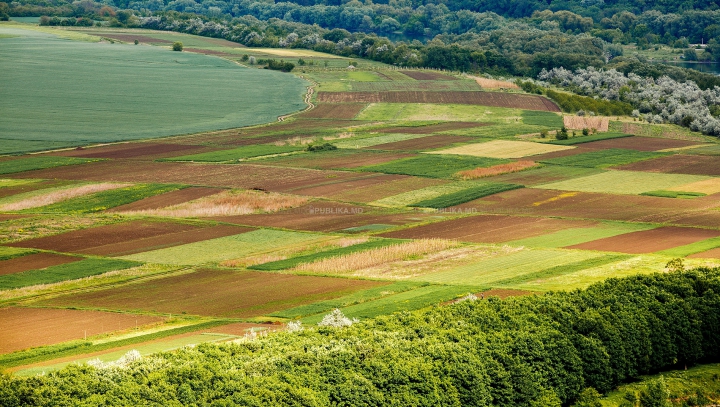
(58,196)
(334,111)
(428,76)
(582,122)
(638,143)
(33,186)
(678,164)
(331,160)
(34,262)
(494,83)
(648,241)
(710,254)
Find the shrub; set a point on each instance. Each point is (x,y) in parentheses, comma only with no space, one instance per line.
(562,134)
(321,147)
(177,46)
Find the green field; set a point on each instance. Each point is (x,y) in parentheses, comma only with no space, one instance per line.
(7,253)
(128,92)
(469,194)
(37,163)
(410,197)
(63,272)
(385,86)
(444,112)
(538,118)
(373,140)
(587,139)
(226,248)
(603,158)
(107,199)
(623,182)
(561,270)
(237,153)
(434,166)
(697,247)
(674,194)
(569,237)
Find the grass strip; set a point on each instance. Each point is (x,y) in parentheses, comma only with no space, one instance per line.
(466,195)
(434,165)
(309,258)
(7,253)
(604,158)
(590,138)
(45,353)
(673,194)
(692,248)
(63,272)
(237,153)
(563,269)
(39,163)
(540,118)
(348,300)
(107,199)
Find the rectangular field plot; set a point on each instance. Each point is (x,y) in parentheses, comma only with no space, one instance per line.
(544,175)
(135,151)
(336,111)
(434,166)
(226,248)
(637,143)
(15,165)
(424,143)
(649,241)
(63,272)
(591,139)
(373,140)
(466,117)
(25,328)
(492,271)
(30,185)
(34,262)
(624,182)
(368,189)
(431,85)
(603,158)
(431,128)
(488,228)
(503,149)
(679,164)
(408,198)
(238,154)
(709,187)
(336,159)
(167,199)
(49,196)
(219,293)
(472,192)
(569,237)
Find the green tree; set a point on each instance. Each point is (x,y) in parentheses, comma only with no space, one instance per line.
(655,394)
(588,398)
(177,46)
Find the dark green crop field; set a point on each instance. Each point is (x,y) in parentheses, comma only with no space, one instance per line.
(58,92)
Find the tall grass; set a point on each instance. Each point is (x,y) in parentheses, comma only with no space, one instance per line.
(375,257)
(228,203)
(61,195)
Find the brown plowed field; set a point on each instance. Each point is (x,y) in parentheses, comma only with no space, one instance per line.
(382,186)
(638,143)
(489,228)
(505,293)
(85,239)
(34,262)
(648,241)
(512,100)
(428,76)
(335,111)
(219,293)
(212,52)
(167,199)
(678,164)
(424,143)
(529,201)
(433,128)
(165,240)
(3,218)
(248,176)
(332,159)
(710,254)
(562,153)
(19,189)
(25,328)
(326,217)
(136,150)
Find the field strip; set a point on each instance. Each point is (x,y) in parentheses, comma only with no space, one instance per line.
(503,149)
(624,182)
(362,142)
(569,237)
(407,198)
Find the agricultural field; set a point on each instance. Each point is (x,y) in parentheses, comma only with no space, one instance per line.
(397,190)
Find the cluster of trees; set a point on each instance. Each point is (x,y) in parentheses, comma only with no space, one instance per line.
(550,350)
(656,100)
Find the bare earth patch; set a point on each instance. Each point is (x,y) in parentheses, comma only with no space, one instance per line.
(581,122)
(648,241)
(34,262)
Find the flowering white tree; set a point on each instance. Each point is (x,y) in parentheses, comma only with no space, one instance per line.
(337,319)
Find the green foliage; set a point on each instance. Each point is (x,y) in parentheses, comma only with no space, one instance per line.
(280,66)
(237,153)
(674,194)
(434,166)
(7,253)
(321,147)
(655,394)
(590,138)
(561,134)
(295,261)
(539,118)
(466,195)
(486,352)
(63,272)
(603,158)
(177,46)
(588,398)
(106,199)
(38,163)
(572,103)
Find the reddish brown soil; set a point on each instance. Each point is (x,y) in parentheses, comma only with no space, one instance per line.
(678,164)
(85,239)
(423,143)
(165,240)
(334,160)
(428,76)
(3,218)
(561,153)
(326,217)
(335,111)
(136,150)
(433,128)
(34,262)
(167,199)
(25,328)
(529,201)
(648,241)
(19,189)
(233,176)
(505,293)
(211,52)
(219,293)
(638,143)
(368,190)
(513,100)
(710,254)
(489,228)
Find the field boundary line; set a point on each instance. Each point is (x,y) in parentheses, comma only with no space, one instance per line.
(308,100)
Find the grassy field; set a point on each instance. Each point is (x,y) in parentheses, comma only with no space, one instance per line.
(38,163)
(71,271)
(226,248)
(623,182)
(674,194)
(587,139)
(697,247)
(434,166)
(106,199)
(7,253)
(373,140)
(603,158)
(465,195)
(237,154)
(445,112)
(408,198)
(563,269)
(150,83)
(503,149)
(569,237)
(538,118)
